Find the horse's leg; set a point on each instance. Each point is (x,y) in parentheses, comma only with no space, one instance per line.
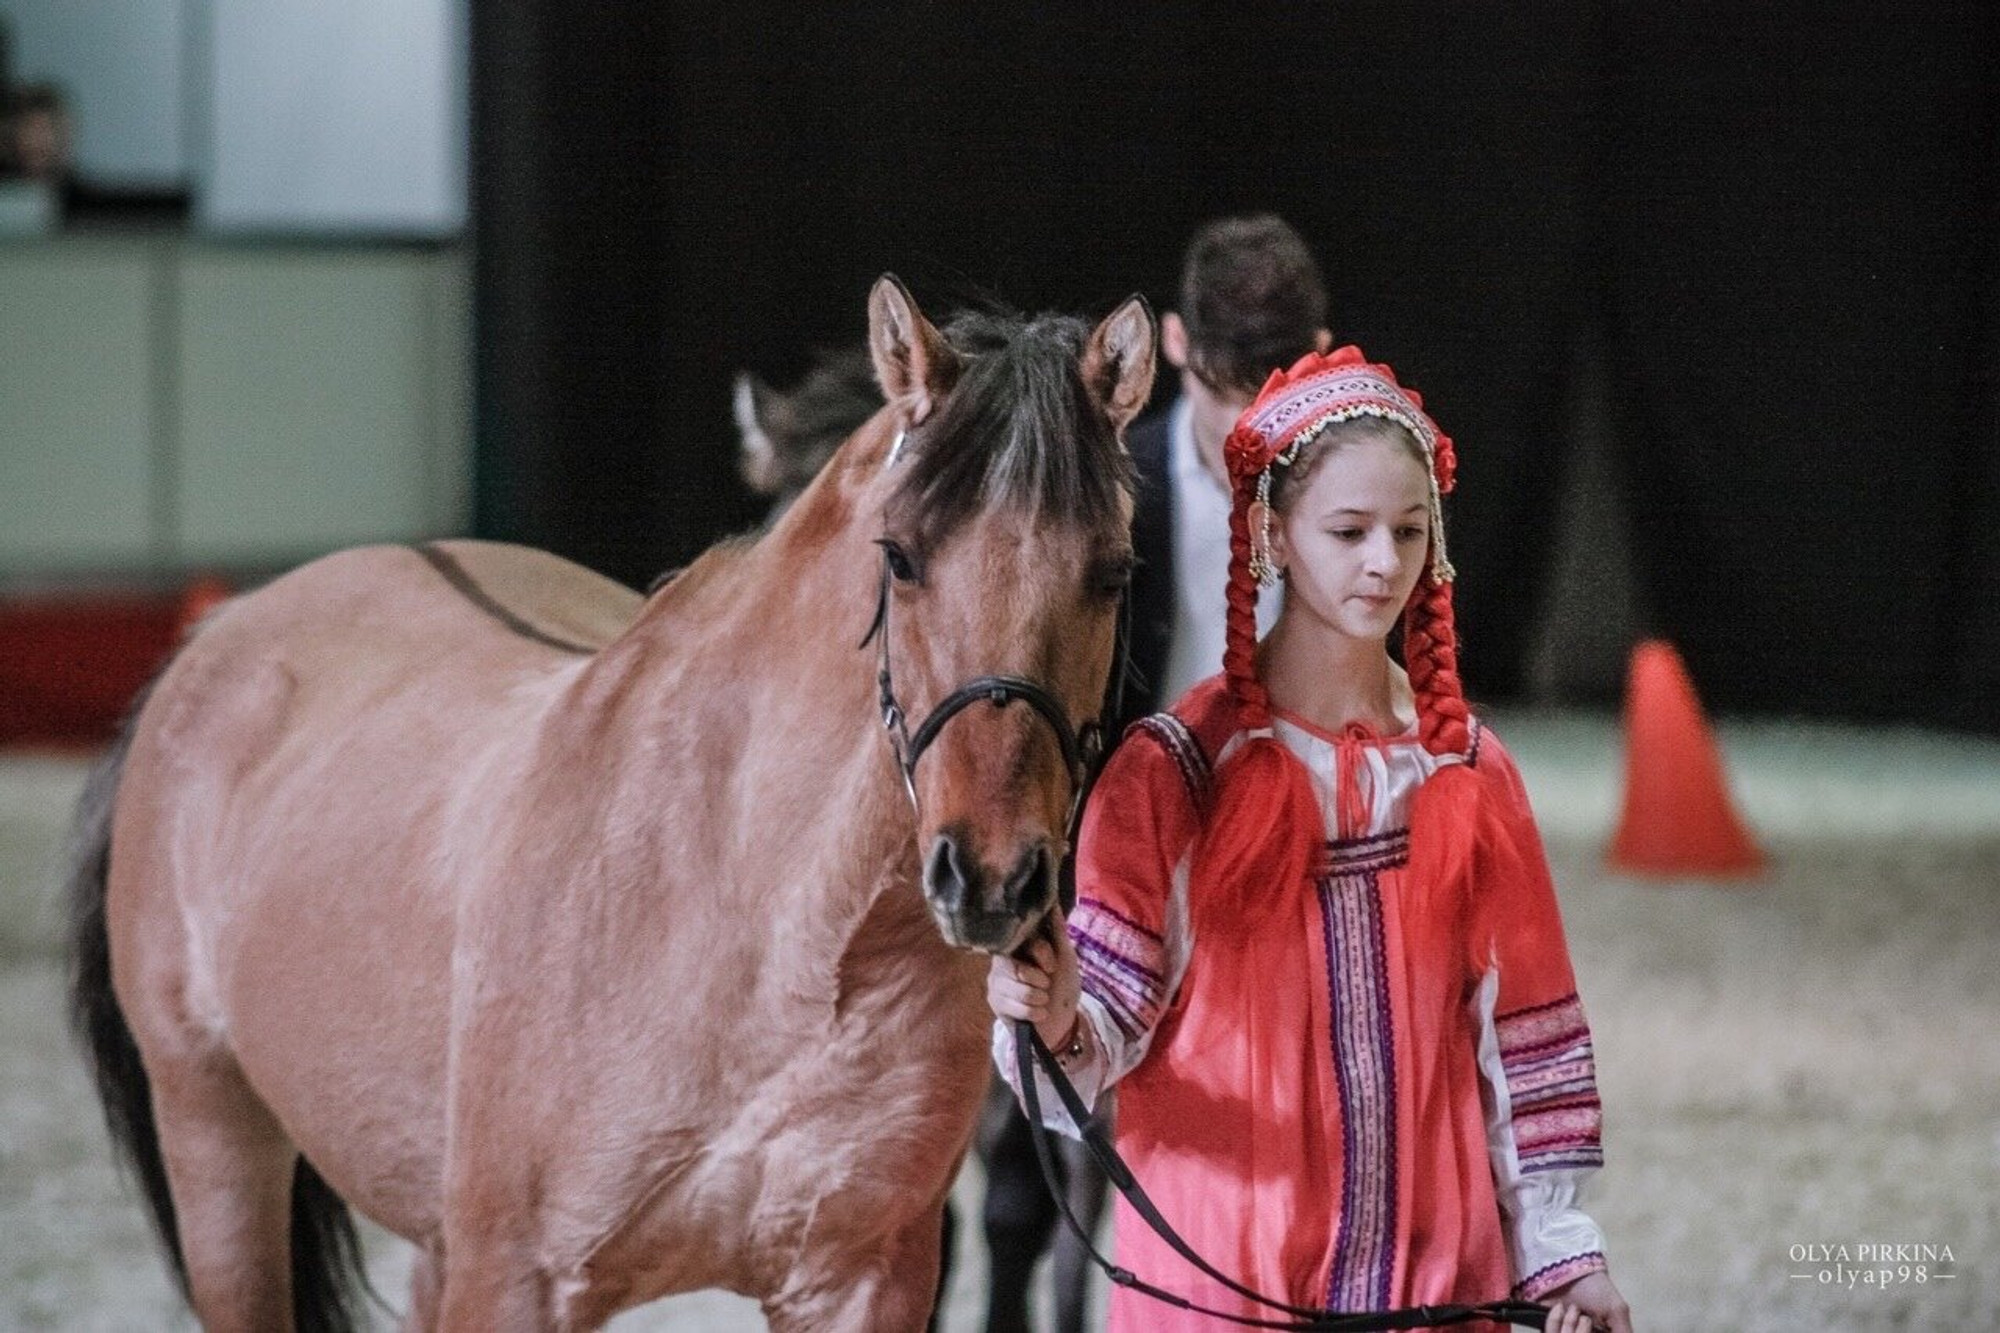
(229,1167)
(494,1288)
(426,1291)
(1019,1213)
(947,1242)
(1084,1185)
(889,1290)
(493,1278)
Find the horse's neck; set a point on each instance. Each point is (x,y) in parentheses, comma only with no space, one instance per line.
(745,670)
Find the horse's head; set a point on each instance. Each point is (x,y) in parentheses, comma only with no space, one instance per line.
(1006,541)
(784,438)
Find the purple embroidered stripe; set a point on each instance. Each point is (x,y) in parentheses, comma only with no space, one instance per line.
(1552,1085)
(1564,1050)
(1121,962)
(1127,1021)
(1580,1159)
(1179,742)
(1364,1245)
(1555,1276)
(1139,1004)
(1567,1135)
(1562,1005)
(1530,1034)
(1571,1055)
(1116,968)
(1086,907)
(1538,1095)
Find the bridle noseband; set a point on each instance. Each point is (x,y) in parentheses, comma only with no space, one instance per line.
(1082,747)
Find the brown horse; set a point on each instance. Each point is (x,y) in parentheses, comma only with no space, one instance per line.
(784,438)
(579,938)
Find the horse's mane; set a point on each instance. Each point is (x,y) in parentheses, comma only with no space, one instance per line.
(1018,430)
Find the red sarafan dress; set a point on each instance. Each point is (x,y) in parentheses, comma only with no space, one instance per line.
(1350,1105)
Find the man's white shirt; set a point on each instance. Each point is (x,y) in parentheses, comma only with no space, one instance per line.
(1201,564)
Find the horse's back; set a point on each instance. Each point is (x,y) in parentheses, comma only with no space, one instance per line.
(537,593)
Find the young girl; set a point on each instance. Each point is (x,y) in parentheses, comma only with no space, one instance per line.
(1315,943)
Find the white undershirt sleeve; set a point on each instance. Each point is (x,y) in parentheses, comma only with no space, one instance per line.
(1551,1241)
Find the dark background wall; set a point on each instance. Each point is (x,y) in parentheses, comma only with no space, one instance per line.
(1772,230)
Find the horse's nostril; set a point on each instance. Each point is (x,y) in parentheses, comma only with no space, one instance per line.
(1025,887)
(944,875)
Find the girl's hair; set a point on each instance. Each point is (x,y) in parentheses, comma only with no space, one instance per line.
(1264,832)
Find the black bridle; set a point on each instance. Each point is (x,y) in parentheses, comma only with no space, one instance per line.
(1082,747)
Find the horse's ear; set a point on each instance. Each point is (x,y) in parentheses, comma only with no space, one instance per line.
(1118,362)
(913,363)
(757,453)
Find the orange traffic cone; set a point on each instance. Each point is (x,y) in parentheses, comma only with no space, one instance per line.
(1678,817)
(199,598)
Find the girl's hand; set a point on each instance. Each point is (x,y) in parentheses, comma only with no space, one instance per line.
(1042,987)
(1589,1298)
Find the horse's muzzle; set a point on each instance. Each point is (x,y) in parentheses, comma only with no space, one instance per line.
(979,908)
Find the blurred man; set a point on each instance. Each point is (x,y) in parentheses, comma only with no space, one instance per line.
(1251,301)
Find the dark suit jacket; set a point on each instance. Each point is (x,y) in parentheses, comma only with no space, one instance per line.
(1153,581)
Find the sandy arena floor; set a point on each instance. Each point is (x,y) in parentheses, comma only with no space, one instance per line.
(1809,1060)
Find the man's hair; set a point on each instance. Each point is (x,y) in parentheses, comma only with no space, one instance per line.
(1252,299)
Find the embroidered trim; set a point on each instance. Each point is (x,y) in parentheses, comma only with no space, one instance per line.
(1360,856)
(1555,1276)
(1121,965)
(1364,1060)
(1197,774)
(1350,391)
(1552,1084)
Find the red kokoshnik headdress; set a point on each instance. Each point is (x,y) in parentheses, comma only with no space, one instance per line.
(1292,408)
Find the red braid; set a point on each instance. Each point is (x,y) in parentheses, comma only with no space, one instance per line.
(1448,811)
(1263,833)
(1239,646)
(1430,654)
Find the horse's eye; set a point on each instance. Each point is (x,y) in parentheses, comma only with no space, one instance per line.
(901,567)
(1112,577)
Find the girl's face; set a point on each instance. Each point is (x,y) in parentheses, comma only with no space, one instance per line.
(1353,542)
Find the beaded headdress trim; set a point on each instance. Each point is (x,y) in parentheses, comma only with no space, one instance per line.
(1325,391)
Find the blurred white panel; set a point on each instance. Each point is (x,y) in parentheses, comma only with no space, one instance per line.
(123,64)
(336,118)
(312,407)
(76,426)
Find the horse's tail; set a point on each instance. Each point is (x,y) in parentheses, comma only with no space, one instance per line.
(122,1085)
(327,1270)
